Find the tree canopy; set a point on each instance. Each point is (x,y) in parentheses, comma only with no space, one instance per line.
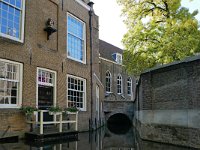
(159,32)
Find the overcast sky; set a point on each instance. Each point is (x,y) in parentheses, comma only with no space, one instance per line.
(111,26)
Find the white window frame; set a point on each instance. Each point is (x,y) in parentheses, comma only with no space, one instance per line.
(129,82)
(84,39)
(117,60)
(110,82)
(121,86)
(85,90)
(19,100)
(54,85)
(21,39)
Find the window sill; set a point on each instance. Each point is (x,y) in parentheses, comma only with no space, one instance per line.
(9,107)
(9,110)
(11,40)
(76,60)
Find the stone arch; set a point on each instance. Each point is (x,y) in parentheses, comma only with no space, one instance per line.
(119,123)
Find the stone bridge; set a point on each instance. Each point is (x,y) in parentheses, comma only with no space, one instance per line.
(121,108)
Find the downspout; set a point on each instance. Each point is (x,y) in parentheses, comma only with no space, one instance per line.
(91,62)
(137,100)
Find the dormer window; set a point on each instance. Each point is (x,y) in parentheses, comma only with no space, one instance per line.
(117,58)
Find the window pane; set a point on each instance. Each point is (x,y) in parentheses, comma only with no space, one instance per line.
(3,29)
(4,7)
(18,3)
(12,2)
(10,17)
(11,10)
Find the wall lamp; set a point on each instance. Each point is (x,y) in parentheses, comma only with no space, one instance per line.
(49,27)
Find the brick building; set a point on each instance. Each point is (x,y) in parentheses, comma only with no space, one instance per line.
(118,85)
(41,71)
(167,105)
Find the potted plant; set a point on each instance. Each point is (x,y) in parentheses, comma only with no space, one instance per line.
(71,110)
(55,110)
(28,111)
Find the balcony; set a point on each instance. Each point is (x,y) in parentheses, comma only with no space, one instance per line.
(57,128)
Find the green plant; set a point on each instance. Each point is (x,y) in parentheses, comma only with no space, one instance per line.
(71,109)
(55,109)
(28,110)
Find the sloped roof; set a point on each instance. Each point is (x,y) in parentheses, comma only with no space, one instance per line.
(186,60)
(106,50)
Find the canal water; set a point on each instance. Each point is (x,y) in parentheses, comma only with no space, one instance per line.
(102,139)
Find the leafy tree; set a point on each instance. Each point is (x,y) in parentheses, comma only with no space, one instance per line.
(159,32)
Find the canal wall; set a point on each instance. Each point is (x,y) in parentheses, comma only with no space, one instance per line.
(167,103)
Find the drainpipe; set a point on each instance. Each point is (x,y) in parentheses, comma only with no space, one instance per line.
(137,100)
(91,62)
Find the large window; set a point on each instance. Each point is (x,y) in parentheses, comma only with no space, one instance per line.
(119,84)
(10,84)
(108,81)
(76,93)
(76,49)
(129,86)
(12,19)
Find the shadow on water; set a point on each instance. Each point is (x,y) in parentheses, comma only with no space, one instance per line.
(102,139)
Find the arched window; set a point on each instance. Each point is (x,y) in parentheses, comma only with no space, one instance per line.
(108,81)
(129,86)
(119,84)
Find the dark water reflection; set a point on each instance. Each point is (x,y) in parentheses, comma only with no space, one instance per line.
(102,139)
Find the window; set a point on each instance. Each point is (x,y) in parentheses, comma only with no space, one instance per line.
(129,86)
(76,93)
(12,19)
(119,84)
(10,84)
(46,88)
(45,77)
(117,58)
(108,81)
(76,49)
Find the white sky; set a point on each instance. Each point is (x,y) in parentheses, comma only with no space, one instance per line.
(111,26)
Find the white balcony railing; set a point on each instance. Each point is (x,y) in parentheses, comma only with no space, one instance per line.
(57,119)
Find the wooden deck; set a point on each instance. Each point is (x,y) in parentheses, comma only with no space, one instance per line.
(60,128)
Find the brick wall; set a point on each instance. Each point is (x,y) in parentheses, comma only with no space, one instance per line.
(172,87)
(167,107)
(49,54)
(115,70)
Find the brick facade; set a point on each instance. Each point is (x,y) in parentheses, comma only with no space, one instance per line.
(173,87)
(107,63)
(36,51)
(167,106)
